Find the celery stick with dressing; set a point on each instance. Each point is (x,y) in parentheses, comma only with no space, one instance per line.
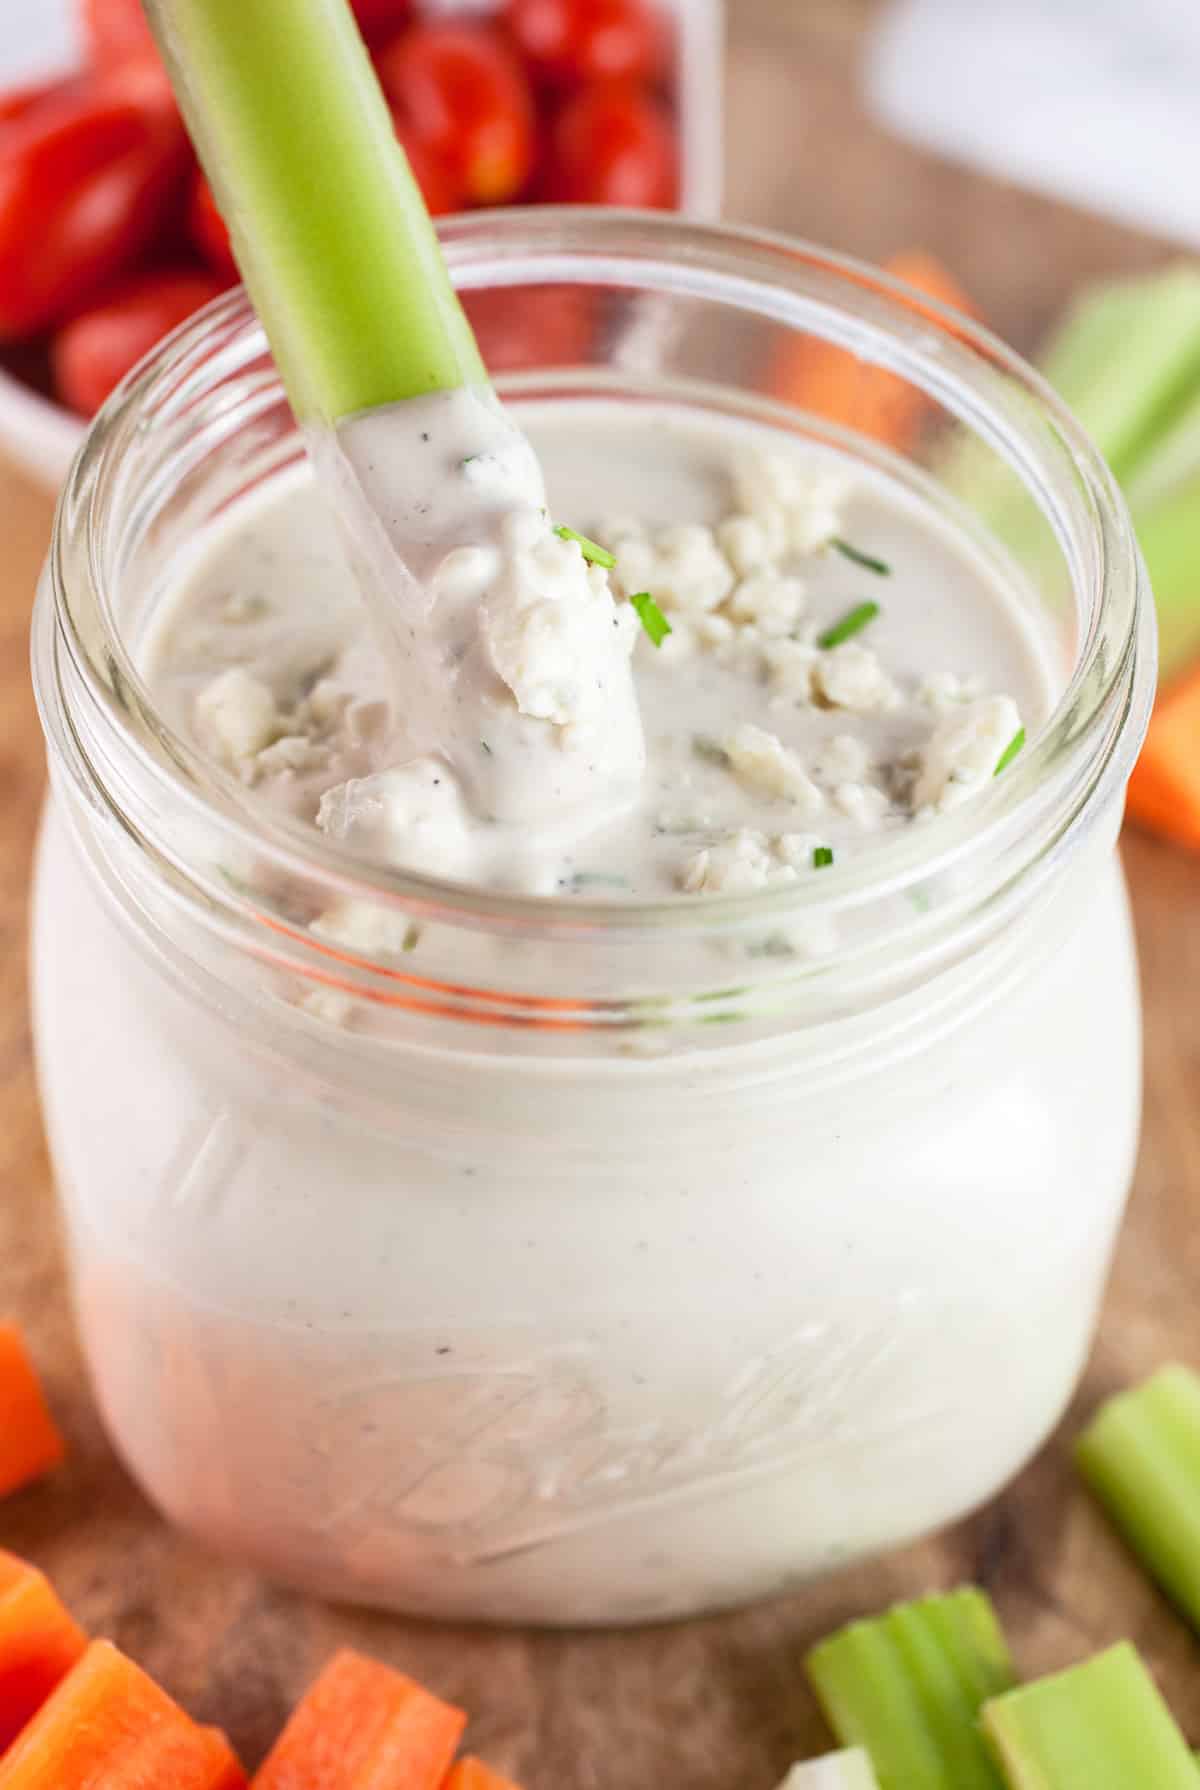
(509,656)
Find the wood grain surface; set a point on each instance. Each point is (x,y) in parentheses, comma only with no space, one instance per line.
(720,1702)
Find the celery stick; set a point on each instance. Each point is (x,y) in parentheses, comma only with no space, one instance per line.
(850,1770)
(908,1686)
(1168,533)
(1172,459)
(1099,1726)
(1127,361)
(329,227)
(1141,1457)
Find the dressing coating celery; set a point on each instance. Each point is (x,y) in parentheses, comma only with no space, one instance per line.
(328,224)
(908,1686)
(1099,1726)
(1141,1457)
(850,1770)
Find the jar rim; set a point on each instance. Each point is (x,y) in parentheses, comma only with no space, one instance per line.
(1098,720)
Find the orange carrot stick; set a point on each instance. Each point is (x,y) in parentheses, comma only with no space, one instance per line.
(929,276)
(362,1726)
(834,384)
(1164,791)
(29,1440)
(39,1643)
(108,1724)
(473,1774)
(224,1765)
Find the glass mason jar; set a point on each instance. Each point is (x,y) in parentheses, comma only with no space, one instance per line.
(598,1262)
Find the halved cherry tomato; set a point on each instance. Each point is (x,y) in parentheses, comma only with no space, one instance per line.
(208,231)
(86,181)
(442,190)
(460,91)
(613,145)
(570,42)
(380,19)
(115,30)
(92,354)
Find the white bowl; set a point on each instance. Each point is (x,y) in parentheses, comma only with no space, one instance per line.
(37,37)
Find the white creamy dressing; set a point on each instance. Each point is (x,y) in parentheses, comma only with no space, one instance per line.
(513,661)
(567,1334)
(532,735)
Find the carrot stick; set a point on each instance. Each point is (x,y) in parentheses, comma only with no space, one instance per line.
(29,1440)
(362,1726)
(39,1643)
(225,1766)
(108,1724)
(1164,791)
(834,384)
(473,1774)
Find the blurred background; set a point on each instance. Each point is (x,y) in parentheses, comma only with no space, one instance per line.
(1019,157)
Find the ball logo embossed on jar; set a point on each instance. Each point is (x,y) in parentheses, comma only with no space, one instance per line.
(491,1462)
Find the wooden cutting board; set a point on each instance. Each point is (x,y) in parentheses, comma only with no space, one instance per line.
(717,1703)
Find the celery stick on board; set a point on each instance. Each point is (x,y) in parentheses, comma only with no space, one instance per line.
(1141,1457)
(908,1686)
(1099,1726)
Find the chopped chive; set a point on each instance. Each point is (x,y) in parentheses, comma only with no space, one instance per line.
(1099,1726)
(1010,752)
(484,747)
(822,857)
(651,617)
(412,938)
(596,879)
(853,620)
(1141,1457)
(856,554)
(595,556)
(908,1686)
(850,1770)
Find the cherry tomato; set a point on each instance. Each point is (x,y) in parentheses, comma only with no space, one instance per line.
(613,145)
(442,190)
(528,328)
(115,31)
(207,229)
(569,42)
(86,181)
(20,103)
(92,354)
(460,91)
(380,19)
